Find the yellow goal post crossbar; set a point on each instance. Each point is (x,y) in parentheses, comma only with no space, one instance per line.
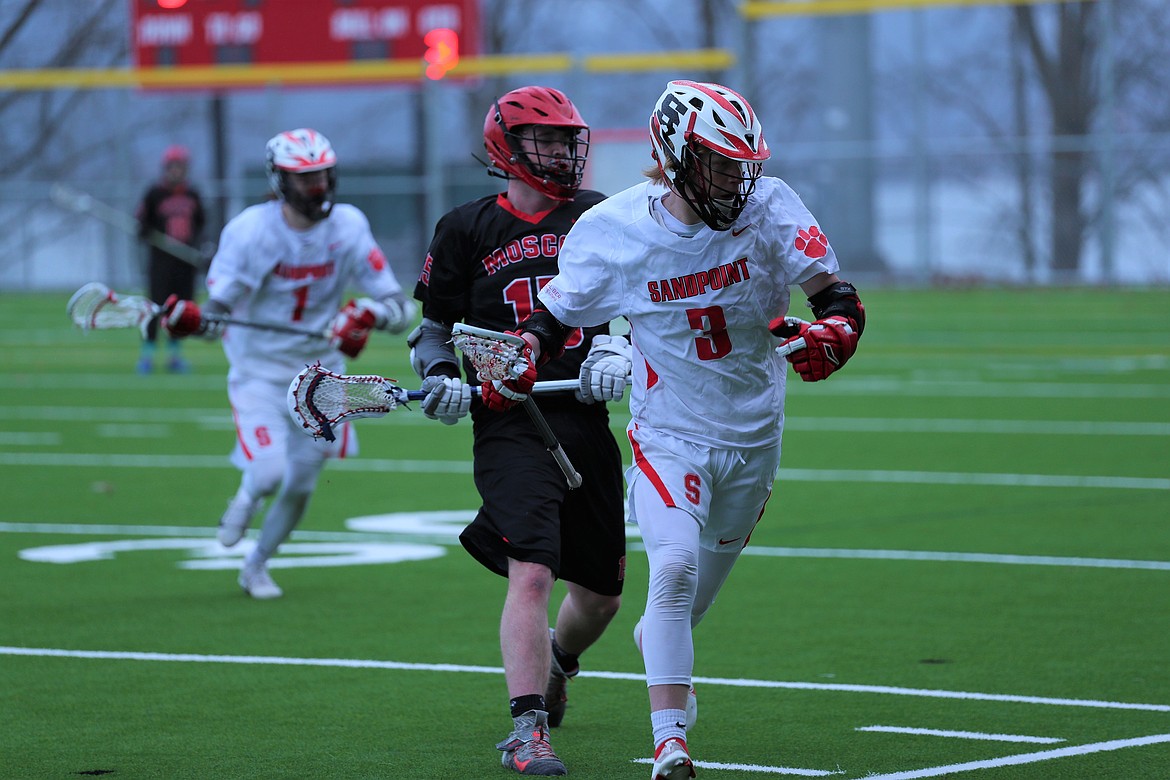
(374,71)
(370,71)
(754,10)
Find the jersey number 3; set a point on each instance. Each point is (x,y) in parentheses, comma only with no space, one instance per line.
(714,342)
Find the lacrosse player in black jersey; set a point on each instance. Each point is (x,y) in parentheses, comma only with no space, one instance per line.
(486,263)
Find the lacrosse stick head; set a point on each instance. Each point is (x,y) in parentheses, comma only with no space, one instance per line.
(96,307)
(493,354)
(68,198)
(319,399)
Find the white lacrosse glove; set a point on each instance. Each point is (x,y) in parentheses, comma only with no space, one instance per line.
(605,370)
(447,399)
(392,314)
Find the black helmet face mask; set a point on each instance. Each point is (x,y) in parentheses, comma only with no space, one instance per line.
(714,186)
(552,154)
(309,194)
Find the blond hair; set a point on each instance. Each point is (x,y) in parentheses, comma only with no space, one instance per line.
(653,171)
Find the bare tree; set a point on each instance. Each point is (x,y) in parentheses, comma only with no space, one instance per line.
(89,34)
(48,134)
(1067,69)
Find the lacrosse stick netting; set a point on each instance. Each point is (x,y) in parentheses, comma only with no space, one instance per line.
(96,307)
(497,355)
(319,399)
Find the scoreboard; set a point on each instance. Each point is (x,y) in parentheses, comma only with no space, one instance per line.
(177,33)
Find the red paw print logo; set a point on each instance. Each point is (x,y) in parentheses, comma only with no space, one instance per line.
(376,259)
(812,242)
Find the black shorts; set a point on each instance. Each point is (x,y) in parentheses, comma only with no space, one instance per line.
(166,276)
(529,514)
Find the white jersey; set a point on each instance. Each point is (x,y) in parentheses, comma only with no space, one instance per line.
(705,367)
(266,271)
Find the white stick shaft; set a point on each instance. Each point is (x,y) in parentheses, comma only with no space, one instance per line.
(83,203)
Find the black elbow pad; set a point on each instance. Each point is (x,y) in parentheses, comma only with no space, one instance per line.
(548,331)
(839,299)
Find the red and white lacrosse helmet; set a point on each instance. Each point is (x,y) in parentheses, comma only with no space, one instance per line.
(513,118)
(296,152)
(176,153)
(693,125)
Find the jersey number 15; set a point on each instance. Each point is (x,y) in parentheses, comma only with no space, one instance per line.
(521,294)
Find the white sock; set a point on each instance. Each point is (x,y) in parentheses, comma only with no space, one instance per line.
(668,724)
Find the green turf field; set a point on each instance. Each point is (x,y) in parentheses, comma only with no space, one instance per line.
(964,572)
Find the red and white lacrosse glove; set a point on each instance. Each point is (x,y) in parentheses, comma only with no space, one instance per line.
(351,328)
(501,395)
(183,318)
(815,349)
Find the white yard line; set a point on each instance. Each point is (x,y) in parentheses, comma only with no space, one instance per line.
(353,663)
(956,557)
(801,423)
(427,530)
(1024,758)
(29,439)
(943,388)
(767,770)
(91,460)
(856,384)
(958,425)
(377,465)
(1027,758)
(960,734)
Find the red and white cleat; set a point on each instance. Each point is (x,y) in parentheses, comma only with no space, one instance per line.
(672,761)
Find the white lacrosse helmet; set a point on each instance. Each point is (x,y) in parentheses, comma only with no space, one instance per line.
(301,151)
(693,125)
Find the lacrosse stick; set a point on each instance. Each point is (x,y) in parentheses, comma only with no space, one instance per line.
(81,203)
(319,399)
(497,355)
(96,307)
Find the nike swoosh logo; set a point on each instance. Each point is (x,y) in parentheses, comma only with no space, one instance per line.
(729,541)
(521,765)
(736,233)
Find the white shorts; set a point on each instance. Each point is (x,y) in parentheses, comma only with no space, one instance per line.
(725,490)
(264,428)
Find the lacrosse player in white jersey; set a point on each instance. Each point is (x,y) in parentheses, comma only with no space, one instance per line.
(700,260)
(288,261)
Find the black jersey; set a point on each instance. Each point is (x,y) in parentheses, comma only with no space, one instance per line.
(173,211)
(487,262)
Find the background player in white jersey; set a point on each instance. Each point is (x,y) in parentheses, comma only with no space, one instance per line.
(288,261)
(484,267)
(700,261)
